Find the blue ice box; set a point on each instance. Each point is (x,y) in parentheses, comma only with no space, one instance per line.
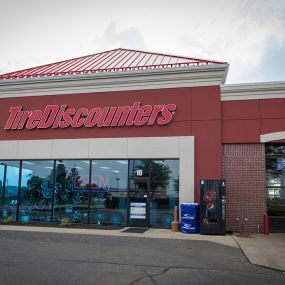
(189,218)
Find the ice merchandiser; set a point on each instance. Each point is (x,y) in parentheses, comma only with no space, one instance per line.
(189,218)
(212,206)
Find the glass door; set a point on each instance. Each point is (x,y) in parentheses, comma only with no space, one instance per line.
(138,210)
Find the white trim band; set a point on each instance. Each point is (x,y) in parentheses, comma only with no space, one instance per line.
(209,75)
(272,137)
(253,91)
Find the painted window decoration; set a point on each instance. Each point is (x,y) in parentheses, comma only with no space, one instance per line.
(86,191)
(9,181)
(71,194)
(109,192)
(36,191)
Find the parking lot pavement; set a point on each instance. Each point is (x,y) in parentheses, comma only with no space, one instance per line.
(149,233)
(33,257)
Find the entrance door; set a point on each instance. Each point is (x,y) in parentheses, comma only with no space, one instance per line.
(138,214)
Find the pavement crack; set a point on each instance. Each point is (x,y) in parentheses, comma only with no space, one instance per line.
(164,268)
(150,276)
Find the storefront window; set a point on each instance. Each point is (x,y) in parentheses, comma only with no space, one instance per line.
(275,168)
(71,196)
(9,185)
(52,190)
(36,190)
(164,191)
(109,191)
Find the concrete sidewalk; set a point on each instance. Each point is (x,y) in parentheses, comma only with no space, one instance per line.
(262,250)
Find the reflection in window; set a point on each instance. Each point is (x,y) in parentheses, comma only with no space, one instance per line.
(109,188)
(164,191)
(9,181)
(275,168)
(36,190)
(72,190)
(139,168)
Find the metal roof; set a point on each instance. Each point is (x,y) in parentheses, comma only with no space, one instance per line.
(109,61)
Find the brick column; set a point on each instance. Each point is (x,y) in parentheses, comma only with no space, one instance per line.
(243,167)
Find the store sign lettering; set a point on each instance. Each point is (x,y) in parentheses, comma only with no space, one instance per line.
(60,116)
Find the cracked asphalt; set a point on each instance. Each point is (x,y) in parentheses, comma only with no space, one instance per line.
(52,258)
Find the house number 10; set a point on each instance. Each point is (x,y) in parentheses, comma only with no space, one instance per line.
(139,172)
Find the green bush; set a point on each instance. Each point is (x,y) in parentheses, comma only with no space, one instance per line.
(8,220)
(65,221)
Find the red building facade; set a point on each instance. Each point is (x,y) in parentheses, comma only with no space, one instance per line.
(230,125)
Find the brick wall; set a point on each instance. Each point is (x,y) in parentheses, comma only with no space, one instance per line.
(243,167)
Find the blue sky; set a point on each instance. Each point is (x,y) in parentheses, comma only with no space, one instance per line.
(249,34)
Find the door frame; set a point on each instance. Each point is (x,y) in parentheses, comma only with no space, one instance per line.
(139,179)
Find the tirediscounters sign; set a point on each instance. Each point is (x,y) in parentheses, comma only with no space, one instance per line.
(60,116)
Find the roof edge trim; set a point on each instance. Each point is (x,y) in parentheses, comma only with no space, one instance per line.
(120,81)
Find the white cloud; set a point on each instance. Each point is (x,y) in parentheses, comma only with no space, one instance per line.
(126,38)
(237,31)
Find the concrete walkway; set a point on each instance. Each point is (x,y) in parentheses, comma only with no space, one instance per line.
(262,250)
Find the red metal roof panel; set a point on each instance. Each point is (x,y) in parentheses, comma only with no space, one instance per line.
(109,61)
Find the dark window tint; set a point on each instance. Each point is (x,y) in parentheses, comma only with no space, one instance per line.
(9,185)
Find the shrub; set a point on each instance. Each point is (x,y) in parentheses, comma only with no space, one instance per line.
(8,220)
(65,221)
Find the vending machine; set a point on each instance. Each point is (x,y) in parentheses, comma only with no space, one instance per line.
(212,206)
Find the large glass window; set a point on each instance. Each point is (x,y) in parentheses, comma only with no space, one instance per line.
(275,170)
(51,190)
(109,189)
(9,185)
(71,197)
(164,188)
(36,190)
(164,191)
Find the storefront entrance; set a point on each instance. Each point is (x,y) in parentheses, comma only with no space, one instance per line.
(139,198)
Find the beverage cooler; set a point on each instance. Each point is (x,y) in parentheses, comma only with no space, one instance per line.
(212,206)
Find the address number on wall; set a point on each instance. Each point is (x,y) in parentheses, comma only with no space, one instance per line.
(139,172)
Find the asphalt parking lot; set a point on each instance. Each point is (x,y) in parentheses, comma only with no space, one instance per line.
(54,258)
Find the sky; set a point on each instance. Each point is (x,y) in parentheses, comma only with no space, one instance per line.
(248,34)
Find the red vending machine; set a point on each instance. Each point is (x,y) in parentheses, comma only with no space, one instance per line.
(212,206)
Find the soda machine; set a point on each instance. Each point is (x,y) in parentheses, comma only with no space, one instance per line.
(212,206)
